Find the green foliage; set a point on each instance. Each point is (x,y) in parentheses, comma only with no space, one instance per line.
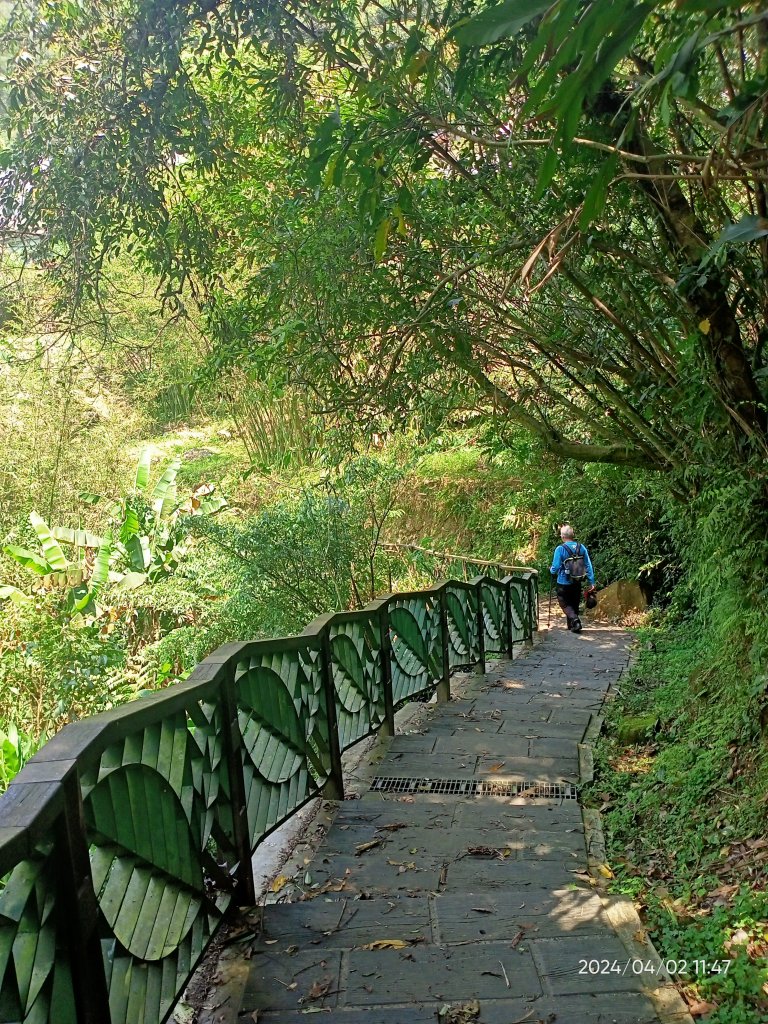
(399,224)
(685,816)
(53,670)
(15,750)
(70,642)
(310,554)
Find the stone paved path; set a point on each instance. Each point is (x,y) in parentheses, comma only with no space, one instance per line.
(485,899)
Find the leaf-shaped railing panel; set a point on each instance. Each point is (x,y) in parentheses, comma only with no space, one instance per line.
(35,966)
(355,655)
(494,598)
(414,634)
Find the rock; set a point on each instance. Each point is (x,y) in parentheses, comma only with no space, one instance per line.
(634,728)
(616,600)
(192,454)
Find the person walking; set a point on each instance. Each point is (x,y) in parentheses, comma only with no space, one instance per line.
(571,565)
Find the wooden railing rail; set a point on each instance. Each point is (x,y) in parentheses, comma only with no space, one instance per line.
(445,557)
(126,838)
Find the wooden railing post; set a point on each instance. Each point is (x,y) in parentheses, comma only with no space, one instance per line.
(531,581)
(334,787)
(385,653)
(444,686)
(480,629)
(245,893)
(508,618)
(79,909)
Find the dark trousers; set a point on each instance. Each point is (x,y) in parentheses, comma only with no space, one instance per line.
(569,599)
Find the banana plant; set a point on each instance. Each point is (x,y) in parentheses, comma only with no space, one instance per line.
(81,578)
(145,541)
(149,530)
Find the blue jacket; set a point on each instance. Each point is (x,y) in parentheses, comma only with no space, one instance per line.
(565,550)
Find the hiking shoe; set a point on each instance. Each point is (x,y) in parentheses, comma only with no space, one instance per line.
(571,622)
(576,626)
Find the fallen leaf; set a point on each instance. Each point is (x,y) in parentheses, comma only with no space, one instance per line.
(459,1013)
(486,851)
(385,944)
(319,989)
(698,1008)
(367,846)
(497,767)
(280,882)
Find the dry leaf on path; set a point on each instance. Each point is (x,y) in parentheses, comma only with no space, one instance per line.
(280,882)
(486,851)
(459,1013)
(388,944)
(367,846)
(319,989)
(698,1008)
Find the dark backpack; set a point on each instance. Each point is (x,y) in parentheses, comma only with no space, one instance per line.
(574,566)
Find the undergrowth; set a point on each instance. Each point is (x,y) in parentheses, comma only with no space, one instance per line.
(684,800)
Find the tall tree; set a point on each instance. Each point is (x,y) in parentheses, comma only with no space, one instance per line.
(552,213)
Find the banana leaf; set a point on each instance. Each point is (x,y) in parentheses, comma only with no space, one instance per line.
(90,498)
(164,494)
(80,538)
(142,470)
(27,558)
(100,573)
(53,553)
(132,580)
(14,595)
(211,505)
(130,526)
(79,599)
(138,552)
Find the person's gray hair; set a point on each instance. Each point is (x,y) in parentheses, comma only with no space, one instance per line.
(566,532)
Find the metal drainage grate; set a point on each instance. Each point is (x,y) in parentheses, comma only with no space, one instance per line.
(476,787)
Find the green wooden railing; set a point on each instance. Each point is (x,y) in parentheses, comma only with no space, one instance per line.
(126,838)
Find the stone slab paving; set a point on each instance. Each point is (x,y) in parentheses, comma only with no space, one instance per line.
(418,903)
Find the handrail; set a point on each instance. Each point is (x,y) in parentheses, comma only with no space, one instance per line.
(125,839)
(446,556)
